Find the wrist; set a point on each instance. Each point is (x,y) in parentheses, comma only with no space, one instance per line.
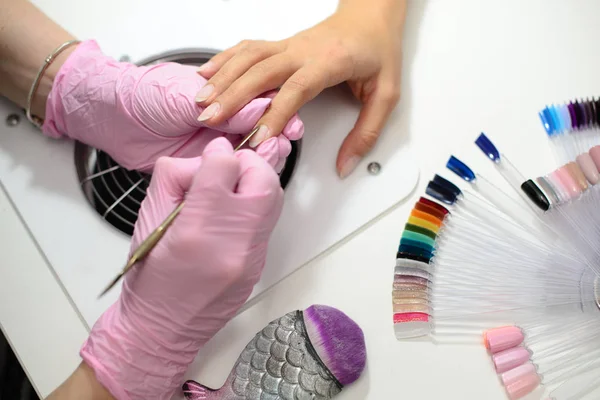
(132,359)
(23,51)
(71,81)
(21,74)
(82,384)
(388,13)
(40,97)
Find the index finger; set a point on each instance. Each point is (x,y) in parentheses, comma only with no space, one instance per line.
(213,65)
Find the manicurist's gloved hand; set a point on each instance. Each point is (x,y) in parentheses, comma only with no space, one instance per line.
(137,114)
(196,278)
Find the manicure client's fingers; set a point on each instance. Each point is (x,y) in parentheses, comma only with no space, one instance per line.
(245,57)
(210,112)
(242,122)
(266,75)
(303,86)
(208,69)
(366,131)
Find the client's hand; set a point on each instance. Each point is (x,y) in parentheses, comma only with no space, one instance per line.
(358,45)
(195,279)
(137,114)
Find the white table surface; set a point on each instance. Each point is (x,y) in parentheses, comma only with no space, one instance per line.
(469,66)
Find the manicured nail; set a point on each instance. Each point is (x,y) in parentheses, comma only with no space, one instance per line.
(209,112)
(349,166)
(259,136)
(206,67)
(205,92)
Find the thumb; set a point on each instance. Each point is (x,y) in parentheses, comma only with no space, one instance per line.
(172,177)
(257,176)
(162,98)
(219,171)
(371,120)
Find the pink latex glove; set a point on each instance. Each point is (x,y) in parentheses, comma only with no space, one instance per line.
(195,279)
(137,114)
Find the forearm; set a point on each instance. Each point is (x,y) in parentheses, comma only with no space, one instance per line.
(81,385)
(27,37)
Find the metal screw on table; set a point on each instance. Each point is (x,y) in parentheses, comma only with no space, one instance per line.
(125,58)
(374,168)
(13,120)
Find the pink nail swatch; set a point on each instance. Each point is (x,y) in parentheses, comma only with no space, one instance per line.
(595,154)
(562,194)
(523,386)
(567,182)
(510,358)
(588,167)
(509,377)
(503,338)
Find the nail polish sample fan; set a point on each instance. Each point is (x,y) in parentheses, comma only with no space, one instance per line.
(476,265)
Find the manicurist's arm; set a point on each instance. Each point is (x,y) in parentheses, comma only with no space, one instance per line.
(134,113)
(27,37)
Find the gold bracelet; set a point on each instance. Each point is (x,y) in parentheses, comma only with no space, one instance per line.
(33,119)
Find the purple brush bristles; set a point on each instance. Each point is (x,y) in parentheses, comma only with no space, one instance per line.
(338,340)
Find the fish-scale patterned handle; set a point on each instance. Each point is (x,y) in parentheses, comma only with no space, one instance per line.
(277,365)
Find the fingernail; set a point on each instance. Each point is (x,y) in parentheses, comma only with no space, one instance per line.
(205,92)
(349,166)
(206,67)
(259,136)
(209,112)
